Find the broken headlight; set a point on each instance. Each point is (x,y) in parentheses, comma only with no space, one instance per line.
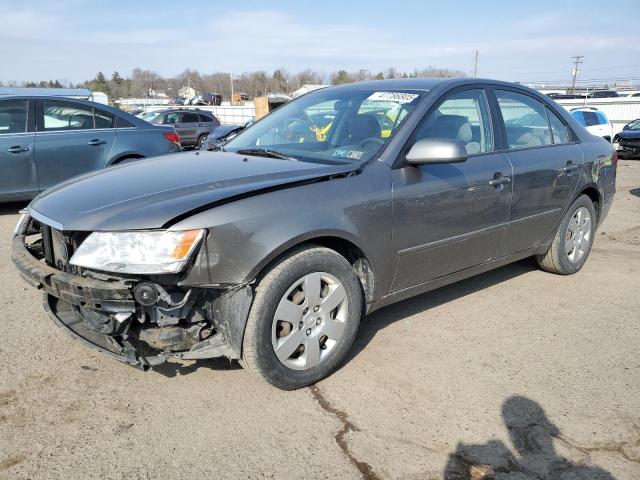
(145,252)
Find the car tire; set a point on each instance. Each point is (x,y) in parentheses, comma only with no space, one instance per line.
(286,310)
(201,140)
(573,240)
(127,160)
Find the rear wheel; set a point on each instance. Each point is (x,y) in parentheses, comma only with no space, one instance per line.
(201,140)
(572,244)
(304,318)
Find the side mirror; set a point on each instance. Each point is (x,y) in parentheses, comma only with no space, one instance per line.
(626,127)
(436,150)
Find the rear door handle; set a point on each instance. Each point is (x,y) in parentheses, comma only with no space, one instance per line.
(17,149)
(96,141)
(498,180)
(570,167)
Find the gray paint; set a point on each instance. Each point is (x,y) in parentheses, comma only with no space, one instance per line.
(419,227)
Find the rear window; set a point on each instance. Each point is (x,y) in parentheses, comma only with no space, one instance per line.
(190,118)
(589,119)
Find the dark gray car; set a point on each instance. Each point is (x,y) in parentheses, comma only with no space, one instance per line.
(192,125)
(45,140)
(339,203)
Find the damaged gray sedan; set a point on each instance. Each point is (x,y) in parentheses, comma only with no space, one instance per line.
(341,202)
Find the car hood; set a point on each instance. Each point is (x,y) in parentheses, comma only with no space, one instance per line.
(629,134)
(151,193)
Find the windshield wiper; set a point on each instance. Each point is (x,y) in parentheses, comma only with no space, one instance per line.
(265,152)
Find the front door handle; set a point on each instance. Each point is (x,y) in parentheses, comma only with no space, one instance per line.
(498,180)
(96,141)
(570,167)
(17,149)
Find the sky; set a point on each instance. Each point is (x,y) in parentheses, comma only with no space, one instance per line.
(71,40)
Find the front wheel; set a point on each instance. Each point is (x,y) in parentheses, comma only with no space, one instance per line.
(572,244)
(304,318)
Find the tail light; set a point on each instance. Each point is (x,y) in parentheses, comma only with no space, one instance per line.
(172,137)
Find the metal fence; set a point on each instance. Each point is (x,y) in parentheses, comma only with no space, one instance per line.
(227,114)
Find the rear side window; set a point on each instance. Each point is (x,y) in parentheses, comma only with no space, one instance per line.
(13,116)
(204,118)
(525,120)
(104,119)
(190,118)
(66,116)
(122,123)
(559,130)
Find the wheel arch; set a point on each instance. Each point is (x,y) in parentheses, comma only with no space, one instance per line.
(123,156)
(592,191)
(340,242)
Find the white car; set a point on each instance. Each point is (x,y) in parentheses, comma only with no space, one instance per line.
(595,121)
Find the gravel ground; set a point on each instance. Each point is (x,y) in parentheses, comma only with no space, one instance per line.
(516,371)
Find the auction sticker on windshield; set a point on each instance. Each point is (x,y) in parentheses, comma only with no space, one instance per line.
(399,97)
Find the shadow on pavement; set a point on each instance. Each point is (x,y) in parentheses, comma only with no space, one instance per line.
(380,319)
(635,192)
(535,457)
(174,369)
(12,208)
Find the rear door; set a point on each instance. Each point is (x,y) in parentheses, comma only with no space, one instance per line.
(19,176)
(451,216)
(67,142)
(546,166)
(187,127)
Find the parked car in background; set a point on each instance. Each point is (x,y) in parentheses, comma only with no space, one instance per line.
(222,134)
(564,96)
(603,94)
(594,120)
(274,253)
(212,99)
(628,140)
(45,140)
(192,125)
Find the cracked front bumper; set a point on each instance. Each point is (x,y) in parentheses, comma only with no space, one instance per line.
(89,310)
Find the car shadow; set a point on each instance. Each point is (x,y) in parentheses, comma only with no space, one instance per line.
(372,324)
(12,208)
(532,435)
(174,369)
(635,192)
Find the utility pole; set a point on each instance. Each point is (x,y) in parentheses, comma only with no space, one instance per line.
(231,81)
(577,61)
(475,67)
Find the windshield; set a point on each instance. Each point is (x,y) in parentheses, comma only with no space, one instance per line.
(330,126)
(149,116)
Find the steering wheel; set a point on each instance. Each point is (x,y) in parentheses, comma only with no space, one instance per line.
(378,141)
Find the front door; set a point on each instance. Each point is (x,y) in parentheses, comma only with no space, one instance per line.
(67,142)
(19,177)
(451,216)
(546,167)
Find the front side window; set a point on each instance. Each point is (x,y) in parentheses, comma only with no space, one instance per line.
(463,118)
(66,116)
(171,118)
(331,125)
(13,116)
(525,120)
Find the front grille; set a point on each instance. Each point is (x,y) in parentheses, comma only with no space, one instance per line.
(59,246)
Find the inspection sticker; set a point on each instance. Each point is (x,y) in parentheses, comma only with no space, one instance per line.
(350,154)
(399,97)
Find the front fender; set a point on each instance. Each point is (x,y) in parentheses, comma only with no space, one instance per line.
(246,235)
